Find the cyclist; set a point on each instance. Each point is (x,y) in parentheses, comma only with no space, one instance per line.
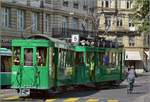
(131,74)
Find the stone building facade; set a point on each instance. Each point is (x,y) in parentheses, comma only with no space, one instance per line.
(115,20)
(57,18)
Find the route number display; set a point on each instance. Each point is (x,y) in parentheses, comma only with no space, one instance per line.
(75,38)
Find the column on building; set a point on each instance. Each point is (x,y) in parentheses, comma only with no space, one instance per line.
(126,22)
(102,23)
(41,21)
(113,25)
(13,19)
(28,25)
(70,22)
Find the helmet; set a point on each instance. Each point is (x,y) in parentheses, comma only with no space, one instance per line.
(132,67)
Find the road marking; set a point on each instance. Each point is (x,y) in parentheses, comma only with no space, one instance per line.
(71,100)
(50,100)
(113,101)
(92,100)
(11,98)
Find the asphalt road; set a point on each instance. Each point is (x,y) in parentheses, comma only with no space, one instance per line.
(88,94)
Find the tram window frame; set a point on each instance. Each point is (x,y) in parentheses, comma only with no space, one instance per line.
(101,54)
(69,60)
(28,56)
(89,57)
(6,63)
(41,56)
(106,54)
(65,63)
(114,59)
(16,56)
(63,57)
(79,58)
(110,58)
(117,59)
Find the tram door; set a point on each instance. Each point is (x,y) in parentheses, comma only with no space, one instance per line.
(29,66)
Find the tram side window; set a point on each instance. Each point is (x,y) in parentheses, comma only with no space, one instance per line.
(69,58)
(101,54)
(41,55)
(28,57)
(5,64)
(117,59)
(114,59)
(106,59)
(90,57)
(16,56)
(79,58)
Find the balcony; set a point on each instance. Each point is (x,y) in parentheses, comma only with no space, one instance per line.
(65,32)
(107,10)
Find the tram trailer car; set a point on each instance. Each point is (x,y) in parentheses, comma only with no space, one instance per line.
(5,68)
(43,63)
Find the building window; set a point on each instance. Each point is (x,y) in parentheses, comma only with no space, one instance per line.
(102,3)
(128,4)
(85,6)
(46,23)
(65,25)
(65,22)
(35,21)
(131,40)
(106,4)
(6,17)
(20,20)
(107,23)
(65,3)
(76,4)
(119,21)
(75,23)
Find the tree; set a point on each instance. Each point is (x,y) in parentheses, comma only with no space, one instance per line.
(141,15)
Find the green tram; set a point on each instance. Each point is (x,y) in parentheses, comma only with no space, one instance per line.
(43,63)
(5,67)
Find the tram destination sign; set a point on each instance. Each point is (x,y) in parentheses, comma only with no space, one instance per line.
(75,38)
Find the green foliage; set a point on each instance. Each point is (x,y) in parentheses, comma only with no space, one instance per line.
(141,15)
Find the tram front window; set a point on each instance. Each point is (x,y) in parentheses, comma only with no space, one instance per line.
(41,54)
(28,57)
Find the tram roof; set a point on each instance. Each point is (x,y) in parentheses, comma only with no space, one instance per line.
(43,36)
(5,52)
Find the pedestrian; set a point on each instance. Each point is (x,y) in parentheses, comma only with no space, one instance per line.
(131,74)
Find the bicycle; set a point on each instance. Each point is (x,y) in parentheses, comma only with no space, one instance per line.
(130,86)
